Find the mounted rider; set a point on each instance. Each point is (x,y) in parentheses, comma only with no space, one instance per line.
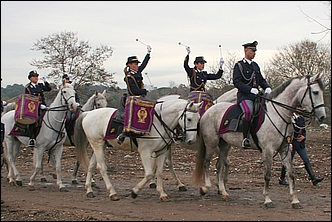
(247,77)
(36,89)
(134,81)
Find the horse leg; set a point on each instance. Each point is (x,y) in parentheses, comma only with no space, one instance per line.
(37,159)
(267,157)
(159,173)
(58,154)
(99,158)
(11,157)
(285,157)
(149,164)
(206,166)
(74,179)
(169,162)
(222,166)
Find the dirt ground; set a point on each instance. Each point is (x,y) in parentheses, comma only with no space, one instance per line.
(125,170)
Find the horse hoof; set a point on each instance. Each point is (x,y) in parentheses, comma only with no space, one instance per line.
(63,189)
(74,182)
(201,191)
(19,183)
(43,180)
(133,195)
(225,197)
(153,185)
(31,188)
(115,197)
(297,206)
(90,195)
(269,205)
(54,176)
(165,199)
(183,188)
(12,184)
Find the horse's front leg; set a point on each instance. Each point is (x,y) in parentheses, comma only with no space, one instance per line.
(169,162)
(58,154)
(149,165)
(206,166)
(37,159)
(267,161)
(285,157)
(159,173)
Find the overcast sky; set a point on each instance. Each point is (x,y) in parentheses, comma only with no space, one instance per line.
(202,25)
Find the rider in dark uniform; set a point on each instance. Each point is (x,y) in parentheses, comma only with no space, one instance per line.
(197,76)
(246,78)
(36,89)
(134,81)
(298,145)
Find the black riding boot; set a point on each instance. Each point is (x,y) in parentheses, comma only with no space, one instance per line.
(245,129)
(282,180)
(32,135)
(312,175)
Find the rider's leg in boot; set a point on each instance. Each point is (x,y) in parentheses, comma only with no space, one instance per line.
(246,130)
(32,135)
(282,180)
(312,175)
(121,137)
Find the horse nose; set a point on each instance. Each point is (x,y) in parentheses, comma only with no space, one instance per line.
(321,118)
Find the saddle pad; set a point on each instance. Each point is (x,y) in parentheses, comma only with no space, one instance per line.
(21,129)
(114,128)
(233,112)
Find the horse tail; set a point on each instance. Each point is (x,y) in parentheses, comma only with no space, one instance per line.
(200,159)
(81,142)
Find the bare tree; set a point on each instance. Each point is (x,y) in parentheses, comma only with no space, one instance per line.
(326,28)
(64,53)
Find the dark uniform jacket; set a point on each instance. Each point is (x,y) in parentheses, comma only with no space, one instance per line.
(245,77)
(134,80)
(198,79)
(38,90)
(299,129)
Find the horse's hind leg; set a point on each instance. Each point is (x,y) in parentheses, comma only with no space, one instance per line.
(222,166)
(11,151)
(74,179)
(285,157)
(169,162)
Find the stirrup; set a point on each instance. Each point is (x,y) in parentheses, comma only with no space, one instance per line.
(246,143)
(32,143)
(120,138)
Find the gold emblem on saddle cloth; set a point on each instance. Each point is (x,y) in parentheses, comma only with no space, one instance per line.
(31,106)
(226,122)
(142,114)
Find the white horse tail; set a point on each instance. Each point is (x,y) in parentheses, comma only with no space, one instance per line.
(81,142)
(198,175)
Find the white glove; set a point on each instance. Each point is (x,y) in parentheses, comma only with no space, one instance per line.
(149,88)
(254,91)
(70,76)
(42,106)
(44,78)
(77,104)
(188,49)
(149,48)
(221,63)
(268,90)
(4,103)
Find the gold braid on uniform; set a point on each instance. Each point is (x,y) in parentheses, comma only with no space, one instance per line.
(199,86)
(126,71)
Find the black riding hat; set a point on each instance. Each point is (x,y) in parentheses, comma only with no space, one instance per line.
(132,59)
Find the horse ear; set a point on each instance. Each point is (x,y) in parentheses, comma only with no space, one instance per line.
(104,92)
(316,77)
(96,93)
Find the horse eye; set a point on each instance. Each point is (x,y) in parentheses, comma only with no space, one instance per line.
(189,120)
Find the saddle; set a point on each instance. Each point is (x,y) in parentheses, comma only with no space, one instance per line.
(20,129)
(232,119)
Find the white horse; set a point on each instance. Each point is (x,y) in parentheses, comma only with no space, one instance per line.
(91,127)
(96,101)
(273,135)
(50,138)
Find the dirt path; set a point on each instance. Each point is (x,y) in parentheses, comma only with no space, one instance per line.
(125,170)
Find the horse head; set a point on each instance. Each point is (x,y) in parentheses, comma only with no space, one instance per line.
(313,98)
(67,93)
(189,121)
(100,100)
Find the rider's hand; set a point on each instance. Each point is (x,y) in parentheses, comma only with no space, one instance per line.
(188,49)
(268,90)
(149,48)
(254,91)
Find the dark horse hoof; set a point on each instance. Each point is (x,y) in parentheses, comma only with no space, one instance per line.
(183,188)
(43,180)
(153,185)
(133,195)
(202,192)
(269,205)
(297,206)
(90,195)
(19,183)
(63,189)
(74,182)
